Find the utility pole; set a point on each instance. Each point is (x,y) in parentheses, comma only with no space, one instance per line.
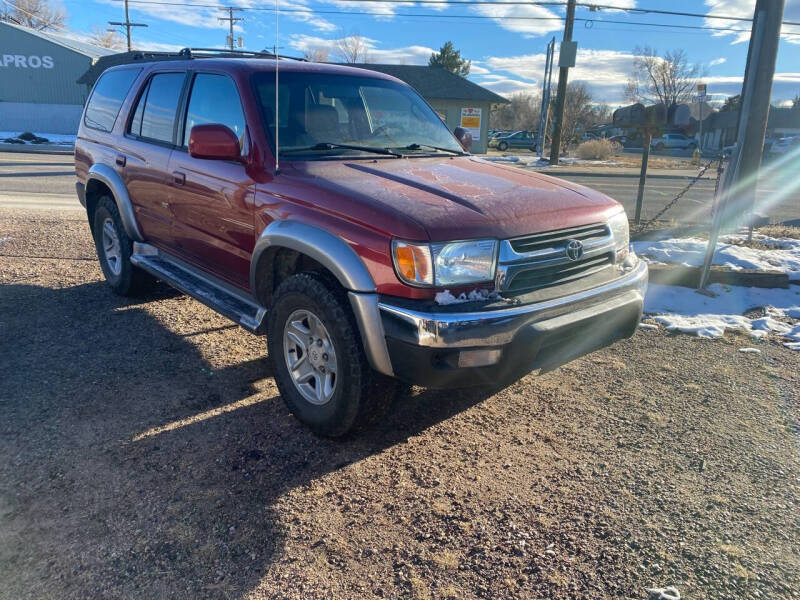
(737,195)
(566,59)
(541,133)
(231,21)
(127,25)
(762,72)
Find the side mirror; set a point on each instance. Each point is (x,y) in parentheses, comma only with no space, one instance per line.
(214,142)
(464,138)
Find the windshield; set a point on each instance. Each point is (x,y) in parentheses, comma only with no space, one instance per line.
(320,113)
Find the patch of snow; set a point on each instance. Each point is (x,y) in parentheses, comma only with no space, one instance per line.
(444,298)
(782,254)
(750,350)
(54,138)
(687,311)
(545,162)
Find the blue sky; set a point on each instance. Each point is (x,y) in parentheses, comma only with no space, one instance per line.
(507,54)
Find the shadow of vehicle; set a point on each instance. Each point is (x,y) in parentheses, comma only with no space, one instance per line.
(130,468)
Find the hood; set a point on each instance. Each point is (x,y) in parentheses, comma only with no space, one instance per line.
(459,197)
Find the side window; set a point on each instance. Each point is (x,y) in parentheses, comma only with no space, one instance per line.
(154,117)
(214,99)
(136,123)
(107,97)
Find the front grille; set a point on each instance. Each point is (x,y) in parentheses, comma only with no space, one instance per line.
(537,277)
(558,239)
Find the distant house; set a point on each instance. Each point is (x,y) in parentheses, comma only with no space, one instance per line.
(719,130)
(38,70)
(459,101)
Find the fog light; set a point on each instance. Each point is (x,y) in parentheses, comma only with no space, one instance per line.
(478,358)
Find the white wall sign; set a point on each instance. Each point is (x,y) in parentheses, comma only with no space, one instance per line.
(20,61)
(471,121)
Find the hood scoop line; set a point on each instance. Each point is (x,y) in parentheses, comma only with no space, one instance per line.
(419,185)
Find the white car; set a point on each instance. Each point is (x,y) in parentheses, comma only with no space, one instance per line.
(784,145)
(673,140)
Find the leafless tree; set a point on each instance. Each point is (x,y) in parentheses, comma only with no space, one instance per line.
(352,48)
(521,113)
(579,112)
(670,79)
(106,38)
(316,54)
(37,14)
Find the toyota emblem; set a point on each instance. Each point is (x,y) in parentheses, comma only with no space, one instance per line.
(574,249)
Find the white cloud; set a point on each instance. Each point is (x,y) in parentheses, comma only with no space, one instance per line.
(381,10)
(540,20)
(718,61)
(406,55)
(604,72)
(744,8)
(508,86)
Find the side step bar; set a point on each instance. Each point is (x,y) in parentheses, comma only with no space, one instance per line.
(223,298)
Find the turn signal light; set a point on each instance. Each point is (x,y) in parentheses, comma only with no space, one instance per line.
(413,262)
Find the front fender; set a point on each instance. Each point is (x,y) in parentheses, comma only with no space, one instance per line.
(111,179)
(329,250)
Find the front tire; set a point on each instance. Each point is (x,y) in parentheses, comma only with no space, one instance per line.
(318,361)
(502,146)
(114,249)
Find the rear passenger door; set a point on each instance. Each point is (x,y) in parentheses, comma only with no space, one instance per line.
(212,200)
(146,150)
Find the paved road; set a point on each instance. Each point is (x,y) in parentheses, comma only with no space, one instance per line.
(694,207)
(48,181)
(37,181)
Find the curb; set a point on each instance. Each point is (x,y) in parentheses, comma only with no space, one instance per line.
(556,173)
(690,276)
(37,148)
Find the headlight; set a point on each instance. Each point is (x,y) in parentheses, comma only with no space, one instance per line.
(454,263)
(619,229)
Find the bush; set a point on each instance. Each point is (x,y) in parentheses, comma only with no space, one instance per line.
(595,150)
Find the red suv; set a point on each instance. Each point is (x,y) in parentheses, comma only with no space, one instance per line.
(329,208)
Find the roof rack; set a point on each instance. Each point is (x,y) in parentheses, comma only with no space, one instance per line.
(224,52)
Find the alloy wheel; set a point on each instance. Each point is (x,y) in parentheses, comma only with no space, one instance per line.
(310,356)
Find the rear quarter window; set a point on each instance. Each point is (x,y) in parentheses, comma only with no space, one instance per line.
(107,97)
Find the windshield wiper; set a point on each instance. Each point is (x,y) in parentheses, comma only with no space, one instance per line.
(333,146)
(421,146)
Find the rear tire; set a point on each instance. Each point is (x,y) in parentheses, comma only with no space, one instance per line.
(318,360)
(114,249)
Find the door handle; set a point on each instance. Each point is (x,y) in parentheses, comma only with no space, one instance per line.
(178,177)
(121,160)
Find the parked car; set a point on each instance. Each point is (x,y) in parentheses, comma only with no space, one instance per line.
(673,140)
(354,230)
(784,145)
(518,139)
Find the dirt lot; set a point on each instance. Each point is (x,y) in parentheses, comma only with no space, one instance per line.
(145,453)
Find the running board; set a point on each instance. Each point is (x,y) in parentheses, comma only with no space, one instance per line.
(224,299)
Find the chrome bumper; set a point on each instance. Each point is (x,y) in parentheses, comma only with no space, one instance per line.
(489,328)
(498,327)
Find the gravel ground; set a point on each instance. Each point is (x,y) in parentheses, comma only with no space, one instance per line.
(145,453)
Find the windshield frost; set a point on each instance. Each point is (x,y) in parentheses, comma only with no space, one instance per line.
(317,109)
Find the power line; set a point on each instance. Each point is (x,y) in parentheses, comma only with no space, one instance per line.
(311,12)
(500,3)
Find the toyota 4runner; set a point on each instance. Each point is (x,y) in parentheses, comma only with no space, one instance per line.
(330,208)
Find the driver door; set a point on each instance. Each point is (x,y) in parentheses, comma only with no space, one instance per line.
(213,199)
